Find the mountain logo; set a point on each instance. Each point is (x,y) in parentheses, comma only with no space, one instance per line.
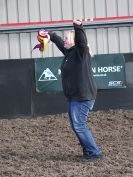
(47,75)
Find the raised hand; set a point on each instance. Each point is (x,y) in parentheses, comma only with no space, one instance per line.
(77,21)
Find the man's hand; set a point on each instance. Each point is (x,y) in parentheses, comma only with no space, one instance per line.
(77,21)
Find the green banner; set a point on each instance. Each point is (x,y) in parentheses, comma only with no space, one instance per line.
(48,74)
(108,71)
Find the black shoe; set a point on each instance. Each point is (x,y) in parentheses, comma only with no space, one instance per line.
(93,157)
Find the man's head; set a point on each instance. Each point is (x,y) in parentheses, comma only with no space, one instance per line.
(69,39)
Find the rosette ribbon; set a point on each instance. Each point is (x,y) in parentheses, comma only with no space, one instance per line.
(43,39)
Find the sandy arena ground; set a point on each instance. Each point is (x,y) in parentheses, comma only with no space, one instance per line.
(46,146)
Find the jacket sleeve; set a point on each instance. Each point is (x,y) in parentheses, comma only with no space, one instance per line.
(58,42)
(80,39)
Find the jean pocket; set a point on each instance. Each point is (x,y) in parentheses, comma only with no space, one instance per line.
(92,102)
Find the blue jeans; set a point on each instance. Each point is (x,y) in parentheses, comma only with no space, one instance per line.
(78,114)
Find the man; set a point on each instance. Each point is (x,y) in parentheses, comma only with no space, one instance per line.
(78,84)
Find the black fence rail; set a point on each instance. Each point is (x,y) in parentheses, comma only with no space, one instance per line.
(18,96)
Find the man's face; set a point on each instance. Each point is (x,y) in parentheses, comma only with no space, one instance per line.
(68,40)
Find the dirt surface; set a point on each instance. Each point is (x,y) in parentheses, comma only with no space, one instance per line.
(46,146)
